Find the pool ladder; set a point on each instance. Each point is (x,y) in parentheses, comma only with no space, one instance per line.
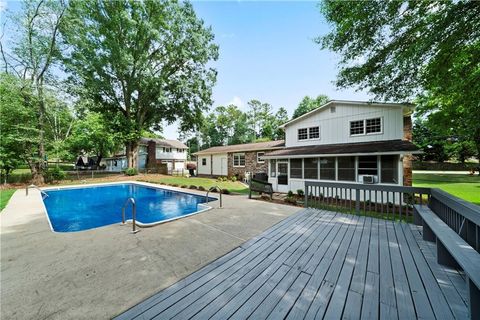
(215,188)
(43,193)
(134,213)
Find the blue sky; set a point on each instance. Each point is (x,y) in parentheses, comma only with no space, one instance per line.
(267,53)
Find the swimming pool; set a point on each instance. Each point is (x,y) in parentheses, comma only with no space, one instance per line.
(83,208)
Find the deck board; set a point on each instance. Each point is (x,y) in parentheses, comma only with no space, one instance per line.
(318,265)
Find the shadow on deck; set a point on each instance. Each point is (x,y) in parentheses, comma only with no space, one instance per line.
(319,264)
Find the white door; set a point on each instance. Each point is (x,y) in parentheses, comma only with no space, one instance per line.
(282,176)
(224,166)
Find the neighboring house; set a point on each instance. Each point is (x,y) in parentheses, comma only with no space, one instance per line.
(151,152)
(235,160)
(344,141)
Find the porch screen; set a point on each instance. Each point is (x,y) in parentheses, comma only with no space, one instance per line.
(389,169)
(367,165)
(296,168)
(310,168)
(346,168)
(327,168)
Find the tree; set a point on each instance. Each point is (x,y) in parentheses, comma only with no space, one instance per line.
(18,124)
(406,50)
(280,118)
(92,135)
(34,53)
(308,104)
(430,141)
(259,114)
(141,63)
(59,121)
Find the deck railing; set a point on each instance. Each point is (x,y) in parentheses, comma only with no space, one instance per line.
(396,203)
(458,214)
(390,202)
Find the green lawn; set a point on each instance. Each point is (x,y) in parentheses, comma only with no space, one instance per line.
(207,183)
(461,185)
(5,195)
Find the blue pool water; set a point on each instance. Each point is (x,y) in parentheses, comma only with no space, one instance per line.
(77,209)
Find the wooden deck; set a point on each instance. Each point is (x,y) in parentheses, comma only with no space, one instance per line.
(319,265)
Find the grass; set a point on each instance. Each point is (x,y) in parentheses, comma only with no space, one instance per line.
(463,186)
(5,195)
(235,187)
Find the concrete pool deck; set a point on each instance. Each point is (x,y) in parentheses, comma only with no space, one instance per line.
(99,273)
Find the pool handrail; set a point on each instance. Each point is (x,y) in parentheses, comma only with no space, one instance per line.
(134,213)
(34,186)
(213,189)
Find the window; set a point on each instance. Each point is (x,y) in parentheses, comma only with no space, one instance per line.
(167,149)
(367,165)
(314,133)
(333,109)
(327,168)
(373,125)
(296,168)
(356,127)
(302,134)
(346,168)
(310,168)
(204,161)
(273,168)
(260,157)
(239,159)
(389,169)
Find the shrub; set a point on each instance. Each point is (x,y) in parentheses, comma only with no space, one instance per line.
(290,194)
(55,174)
(201,188)
(184,186)
(291,199)
(174,185)
(225,191)
(233,178)
(300,192)
(193,187)
(131,171)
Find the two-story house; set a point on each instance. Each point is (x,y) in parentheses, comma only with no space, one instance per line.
(345,141)
(152,151)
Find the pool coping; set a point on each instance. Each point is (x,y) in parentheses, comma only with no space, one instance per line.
(137,223)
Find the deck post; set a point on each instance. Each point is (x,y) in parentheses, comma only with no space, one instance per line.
(473,299)
(417,219)
(444,257)
(428,234)
(306,196)
(357,201)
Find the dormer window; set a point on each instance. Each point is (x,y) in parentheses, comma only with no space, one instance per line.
(311,133)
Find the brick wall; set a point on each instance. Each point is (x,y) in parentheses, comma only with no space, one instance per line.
(151,154)
(251,164)
(407,159)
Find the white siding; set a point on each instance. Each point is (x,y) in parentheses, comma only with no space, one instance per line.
(204,169)
(174,155)
(335,127)
(220,164)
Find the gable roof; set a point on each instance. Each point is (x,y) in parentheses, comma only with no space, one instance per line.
(408,108)
(267,145)
(165,143)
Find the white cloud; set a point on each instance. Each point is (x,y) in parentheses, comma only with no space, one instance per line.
(236,101)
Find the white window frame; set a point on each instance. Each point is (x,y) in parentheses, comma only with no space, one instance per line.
(310,138)
(239,155)
(258,157)
(365,127)
(205,161)
(298,134)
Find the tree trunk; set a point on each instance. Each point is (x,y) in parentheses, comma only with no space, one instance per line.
(37,174)
(132,154)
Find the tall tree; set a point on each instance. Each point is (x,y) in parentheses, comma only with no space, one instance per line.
(280,118)
(402,50)
(34,53)
(259,115)
(141,63)
(308,104)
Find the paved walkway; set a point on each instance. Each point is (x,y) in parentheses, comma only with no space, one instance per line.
(97,274)
(318,265)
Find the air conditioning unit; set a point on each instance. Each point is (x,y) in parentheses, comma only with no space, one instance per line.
(369,179)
